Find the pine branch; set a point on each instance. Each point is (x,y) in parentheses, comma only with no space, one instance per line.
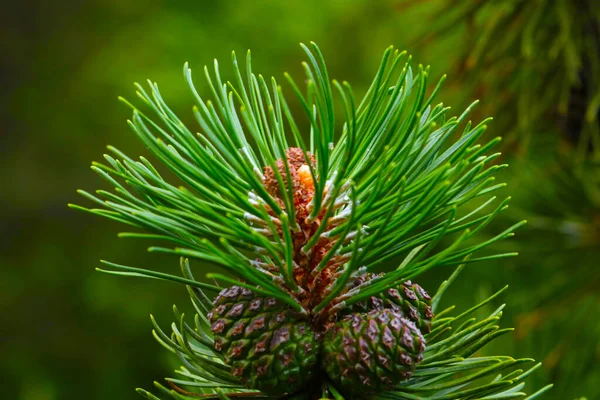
(295,231)
(393,175)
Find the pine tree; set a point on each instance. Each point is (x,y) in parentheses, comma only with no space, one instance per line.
(296,228)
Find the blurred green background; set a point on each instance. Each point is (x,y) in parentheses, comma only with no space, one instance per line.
(67,332)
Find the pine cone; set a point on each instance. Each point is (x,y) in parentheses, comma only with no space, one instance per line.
(409,298)
(372,352)
(268,346)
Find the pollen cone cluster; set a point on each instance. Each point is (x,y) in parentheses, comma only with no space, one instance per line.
(369,346)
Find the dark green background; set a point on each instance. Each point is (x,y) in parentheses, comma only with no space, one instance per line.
(67,332)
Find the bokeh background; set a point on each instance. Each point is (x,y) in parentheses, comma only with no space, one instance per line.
(68,332)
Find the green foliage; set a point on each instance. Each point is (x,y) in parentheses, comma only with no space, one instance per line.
(67,330)
(391,183)
(403,183)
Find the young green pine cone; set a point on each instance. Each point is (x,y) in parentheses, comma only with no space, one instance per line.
(372,352)
(268,346)
(408,298)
